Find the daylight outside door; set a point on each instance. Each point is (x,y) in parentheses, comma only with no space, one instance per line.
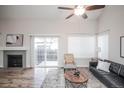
(46,51)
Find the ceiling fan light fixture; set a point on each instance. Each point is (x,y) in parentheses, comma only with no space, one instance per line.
(79,10)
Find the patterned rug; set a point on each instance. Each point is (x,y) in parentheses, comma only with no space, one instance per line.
(55,79)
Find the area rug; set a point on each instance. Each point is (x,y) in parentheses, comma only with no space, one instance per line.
(55,79)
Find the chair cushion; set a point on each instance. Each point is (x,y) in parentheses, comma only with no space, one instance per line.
(69,58)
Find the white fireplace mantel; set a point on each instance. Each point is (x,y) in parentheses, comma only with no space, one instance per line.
(3,49)
(12,48)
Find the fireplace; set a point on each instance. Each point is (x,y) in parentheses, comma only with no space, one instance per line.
(15,59)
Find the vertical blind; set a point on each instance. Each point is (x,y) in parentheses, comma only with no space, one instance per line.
(103,45)
(82,46)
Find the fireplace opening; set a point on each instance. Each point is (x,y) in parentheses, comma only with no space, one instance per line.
(15,61)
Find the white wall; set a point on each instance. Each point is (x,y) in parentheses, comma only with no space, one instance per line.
(45,27)
(112,19)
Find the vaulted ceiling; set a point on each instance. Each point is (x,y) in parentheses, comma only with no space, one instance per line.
(47,12)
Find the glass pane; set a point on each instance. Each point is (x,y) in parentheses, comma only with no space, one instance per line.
(46,51)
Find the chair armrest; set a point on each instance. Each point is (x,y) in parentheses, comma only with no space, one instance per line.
(93,64)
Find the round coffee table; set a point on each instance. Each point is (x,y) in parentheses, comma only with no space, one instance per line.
(76,80)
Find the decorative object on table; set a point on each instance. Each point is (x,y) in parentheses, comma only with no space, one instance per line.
(77,73)
(14,40)
(122,46)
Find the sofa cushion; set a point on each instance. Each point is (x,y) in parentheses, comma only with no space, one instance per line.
(97,72)
(121,72)
(114,80)
(114,67)
(103,66)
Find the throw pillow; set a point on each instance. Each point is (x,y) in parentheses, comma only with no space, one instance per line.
(103,66)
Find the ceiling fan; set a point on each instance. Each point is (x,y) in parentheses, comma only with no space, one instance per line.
(81,10)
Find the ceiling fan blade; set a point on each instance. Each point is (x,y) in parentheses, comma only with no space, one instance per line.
(65,8)
(69,16)
(84,16)
(94,7)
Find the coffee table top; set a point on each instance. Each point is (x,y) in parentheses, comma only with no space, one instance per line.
(69,75)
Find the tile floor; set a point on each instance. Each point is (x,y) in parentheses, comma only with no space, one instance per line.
(39,77)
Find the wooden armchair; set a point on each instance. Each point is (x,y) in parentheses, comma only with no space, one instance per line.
(69,61)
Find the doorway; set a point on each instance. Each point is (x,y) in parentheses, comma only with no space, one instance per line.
(46,51)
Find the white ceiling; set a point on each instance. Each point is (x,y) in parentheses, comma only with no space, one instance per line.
(41,12)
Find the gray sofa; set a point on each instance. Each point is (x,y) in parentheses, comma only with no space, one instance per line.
(112,79)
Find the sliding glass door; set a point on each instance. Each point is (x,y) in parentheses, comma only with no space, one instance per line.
(46,51)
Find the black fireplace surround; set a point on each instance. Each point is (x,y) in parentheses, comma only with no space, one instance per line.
(112,79)
(15,61)
(14,58)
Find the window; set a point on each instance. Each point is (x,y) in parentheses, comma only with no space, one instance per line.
(82,46)
(103,45)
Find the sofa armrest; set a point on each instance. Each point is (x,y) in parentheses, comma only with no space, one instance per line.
(93,64)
